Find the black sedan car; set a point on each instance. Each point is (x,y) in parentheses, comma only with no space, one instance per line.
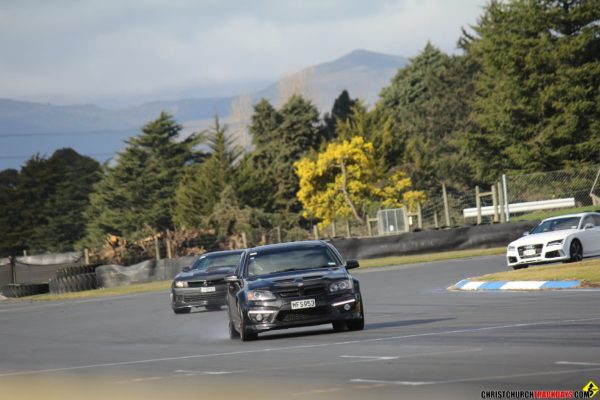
(203,284)
(291,285)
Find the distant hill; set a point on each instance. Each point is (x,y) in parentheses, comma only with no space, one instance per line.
(27,128)
(363,73)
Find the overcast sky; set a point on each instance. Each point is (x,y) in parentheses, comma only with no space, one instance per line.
(81,50)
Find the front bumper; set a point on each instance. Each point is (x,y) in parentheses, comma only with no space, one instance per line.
(195,297)
(546,254)
(278,314)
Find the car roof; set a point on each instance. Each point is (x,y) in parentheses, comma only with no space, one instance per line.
(571,215)
(288,245)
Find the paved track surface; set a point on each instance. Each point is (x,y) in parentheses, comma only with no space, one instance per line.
(420,341)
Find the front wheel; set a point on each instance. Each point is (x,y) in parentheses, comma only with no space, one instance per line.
(185,310)
(213,307)
(522,266)
(576,251)
(245,335)
(233,334)
(358,324)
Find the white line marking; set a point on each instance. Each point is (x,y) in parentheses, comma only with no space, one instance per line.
(371,358)
(576,363)
(299,347)
(403,383)
(477,379)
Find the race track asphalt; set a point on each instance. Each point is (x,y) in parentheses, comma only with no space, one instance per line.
(420,341)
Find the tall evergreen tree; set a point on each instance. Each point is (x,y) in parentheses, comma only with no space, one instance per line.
(300,131)
(538,98)
(266,179)
(341,111)
(138,193)
(43,204)
(202,184)
(428,109)
(73,178)
(10,221)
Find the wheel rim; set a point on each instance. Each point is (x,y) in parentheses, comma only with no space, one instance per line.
(576,251)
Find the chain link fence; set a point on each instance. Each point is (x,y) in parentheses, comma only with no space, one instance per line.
(581,184)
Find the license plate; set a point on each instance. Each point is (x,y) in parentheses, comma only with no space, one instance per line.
(529,252)
(308,303)
(207,289)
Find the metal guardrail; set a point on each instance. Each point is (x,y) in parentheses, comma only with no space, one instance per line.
(523,207)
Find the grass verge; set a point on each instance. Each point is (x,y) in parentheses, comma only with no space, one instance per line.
(165,285)
(538,216)
(588,272)
(422,258)
(104,292)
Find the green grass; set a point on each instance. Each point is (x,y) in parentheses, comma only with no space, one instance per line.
(421,258)
(104,292)
(588,272)
(538,216)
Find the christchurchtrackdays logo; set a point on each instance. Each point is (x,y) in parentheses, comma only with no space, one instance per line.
(587,392)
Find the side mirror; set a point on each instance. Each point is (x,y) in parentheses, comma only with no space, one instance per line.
(589,226)
(186,269)
(526,233)
(232,279)
(351,264)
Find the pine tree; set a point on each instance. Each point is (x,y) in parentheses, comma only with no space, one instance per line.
(10,221)
(537,105)
(425,109)
(202,185)
(266,179)
(138,193)
(341,111)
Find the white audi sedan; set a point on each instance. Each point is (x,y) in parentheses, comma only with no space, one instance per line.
(564,238)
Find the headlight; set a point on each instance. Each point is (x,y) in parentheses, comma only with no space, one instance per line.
(260,295)
(181,284)
(511,248)
(555,242)
(340,285)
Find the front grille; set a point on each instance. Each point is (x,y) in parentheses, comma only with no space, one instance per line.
(204,283)
(303,314)
(192,298)
(536,247)
(302,291)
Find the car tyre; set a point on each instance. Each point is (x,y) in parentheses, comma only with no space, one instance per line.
(522,266)
(213,307)
(184,310)
(233,334)
(575,251)
(358,324)
(246,335)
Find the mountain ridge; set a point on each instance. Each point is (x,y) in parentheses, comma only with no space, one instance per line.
(28,127)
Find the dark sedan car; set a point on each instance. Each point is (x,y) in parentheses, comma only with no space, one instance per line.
(291,285)
(203,284)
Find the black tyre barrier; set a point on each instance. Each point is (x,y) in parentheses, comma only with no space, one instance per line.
(23,290)
(74,283)
(73,270)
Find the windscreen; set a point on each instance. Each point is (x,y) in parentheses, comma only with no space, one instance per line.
(557,224)
(290,260)
(216,261)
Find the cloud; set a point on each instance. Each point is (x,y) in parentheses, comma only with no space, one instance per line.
(86,49)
